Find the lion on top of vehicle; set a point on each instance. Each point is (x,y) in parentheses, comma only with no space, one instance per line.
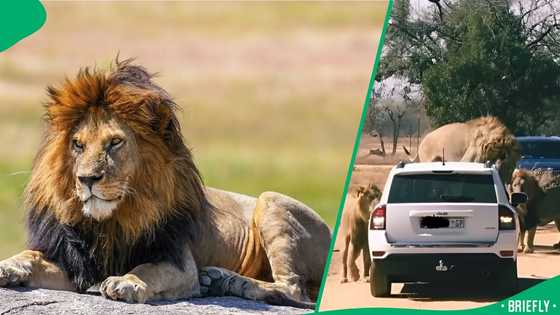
(478,140)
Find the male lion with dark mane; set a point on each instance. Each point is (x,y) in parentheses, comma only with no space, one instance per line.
(543,203)
(115,199)
(479,140)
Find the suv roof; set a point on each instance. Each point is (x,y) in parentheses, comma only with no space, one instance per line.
(538,138)
(428,167)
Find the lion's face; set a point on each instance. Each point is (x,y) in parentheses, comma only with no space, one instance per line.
(504,153)
(103,150)
(518,182)
(368,194)
(113,153)
(522,182)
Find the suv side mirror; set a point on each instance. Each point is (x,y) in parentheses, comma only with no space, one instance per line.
(517,198)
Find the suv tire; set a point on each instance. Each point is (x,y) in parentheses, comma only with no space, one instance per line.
(507,279)
(379,283)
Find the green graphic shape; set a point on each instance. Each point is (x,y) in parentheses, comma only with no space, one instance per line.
(543,298)
(19,19)
(354,152)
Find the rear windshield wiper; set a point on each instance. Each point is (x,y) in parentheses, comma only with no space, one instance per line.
(457,198)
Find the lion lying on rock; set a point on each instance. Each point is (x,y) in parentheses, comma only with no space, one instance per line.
(543,203)
(355,232)
(115,198)
(478,140)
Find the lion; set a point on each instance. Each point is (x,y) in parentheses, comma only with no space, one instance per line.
(542,207)
(479,140)
(115,199)
(355,231)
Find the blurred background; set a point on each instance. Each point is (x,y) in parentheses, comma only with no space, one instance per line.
(271,93)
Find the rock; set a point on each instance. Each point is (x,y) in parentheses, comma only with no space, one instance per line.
(42,301)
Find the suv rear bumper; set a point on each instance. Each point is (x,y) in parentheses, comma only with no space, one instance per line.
(441,267)
(506,241)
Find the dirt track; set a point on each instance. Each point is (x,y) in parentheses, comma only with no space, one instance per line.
(532,268)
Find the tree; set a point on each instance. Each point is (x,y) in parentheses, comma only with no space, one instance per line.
(390,103)
(375,122)
(480,57)
(395,111)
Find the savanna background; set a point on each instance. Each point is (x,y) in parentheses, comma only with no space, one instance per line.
(271,93)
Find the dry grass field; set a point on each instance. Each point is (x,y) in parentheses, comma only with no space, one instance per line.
(271,92)
(371,168)
(367,143)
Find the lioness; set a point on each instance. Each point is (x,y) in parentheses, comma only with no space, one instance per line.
(115,198)
(355,231)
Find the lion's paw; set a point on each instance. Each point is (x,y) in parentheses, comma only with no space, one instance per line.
(215,281)
(344,280)
(529,250)
(12,274)
(354,273)
(128,288)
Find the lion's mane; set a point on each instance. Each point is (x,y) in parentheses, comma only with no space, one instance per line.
(542,187)
(152,224)
(489,132)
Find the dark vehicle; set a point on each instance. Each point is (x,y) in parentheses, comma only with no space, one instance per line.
(539,152)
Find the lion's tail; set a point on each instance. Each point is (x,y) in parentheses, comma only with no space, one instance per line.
(406,150)
(416,158)
(280,298)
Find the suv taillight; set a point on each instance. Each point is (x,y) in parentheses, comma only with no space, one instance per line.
(377,219)
(506,218)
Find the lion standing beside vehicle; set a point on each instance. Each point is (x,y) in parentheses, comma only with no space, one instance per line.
(115,198)
(543,203)
(354,229)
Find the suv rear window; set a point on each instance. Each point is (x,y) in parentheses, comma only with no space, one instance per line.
(434,188)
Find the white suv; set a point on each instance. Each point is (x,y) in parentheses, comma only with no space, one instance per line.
(443,221)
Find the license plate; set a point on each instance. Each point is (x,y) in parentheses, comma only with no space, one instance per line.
(456,223)
(434,222)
